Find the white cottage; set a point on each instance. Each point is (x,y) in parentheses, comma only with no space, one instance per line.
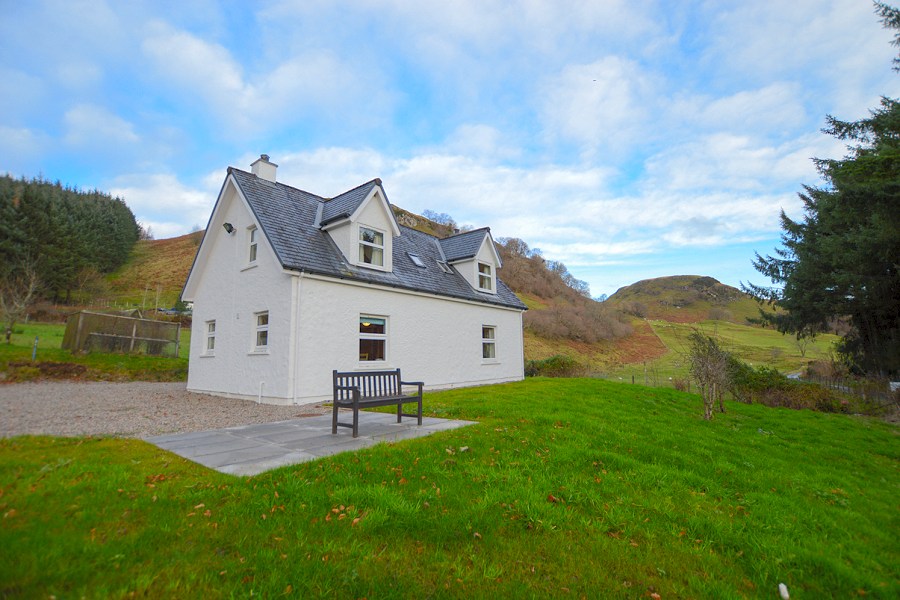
(287,286)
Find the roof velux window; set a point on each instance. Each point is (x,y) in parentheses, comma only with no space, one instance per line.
(444,267)
(416,260)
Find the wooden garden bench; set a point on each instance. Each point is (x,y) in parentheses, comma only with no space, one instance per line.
(366,389)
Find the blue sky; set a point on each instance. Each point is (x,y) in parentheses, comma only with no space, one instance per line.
(627,139)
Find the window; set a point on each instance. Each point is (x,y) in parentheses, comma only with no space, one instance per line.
(371,247)
(488,342)
(210,337)
(444,267)
(253,243)
(262,331)
(372,338)
(416,260)
(485,277)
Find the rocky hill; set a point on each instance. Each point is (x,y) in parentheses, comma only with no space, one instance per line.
(685,299)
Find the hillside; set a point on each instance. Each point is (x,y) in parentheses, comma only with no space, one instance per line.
(155,272)
(685,299)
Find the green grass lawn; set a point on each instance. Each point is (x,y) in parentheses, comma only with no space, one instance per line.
(583,488)
(96,366)
(755,345)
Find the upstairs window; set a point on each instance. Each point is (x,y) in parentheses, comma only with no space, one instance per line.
(253,241)
(485,277)
(262,332)
(488,342)
(210,337)
(372,339)
(371,247)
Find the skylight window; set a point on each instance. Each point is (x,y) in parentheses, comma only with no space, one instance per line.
(416,260)
(444,267)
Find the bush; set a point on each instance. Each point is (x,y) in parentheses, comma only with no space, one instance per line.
(682,384)
(555,366)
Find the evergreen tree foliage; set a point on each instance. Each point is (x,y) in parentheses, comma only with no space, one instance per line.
(841,260)
(61,232)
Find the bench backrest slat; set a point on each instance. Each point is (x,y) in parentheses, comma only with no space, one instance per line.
(370,383)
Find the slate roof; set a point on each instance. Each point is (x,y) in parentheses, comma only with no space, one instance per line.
(344,205)
(287,217)
(463,245)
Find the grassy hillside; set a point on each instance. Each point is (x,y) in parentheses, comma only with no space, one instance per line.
(156,269)
(565,488)
(755,345)
(685,299)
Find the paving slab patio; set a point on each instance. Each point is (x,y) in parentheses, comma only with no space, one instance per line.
(253,449)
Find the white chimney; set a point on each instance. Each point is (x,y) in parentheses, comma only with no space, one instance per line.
(264,169)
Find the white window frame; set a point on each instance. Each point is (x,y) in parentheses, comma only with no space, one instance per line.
(362,244)
(252,245)
(258,329)
(210,348)
(489,340)
(489,276)
(376,337)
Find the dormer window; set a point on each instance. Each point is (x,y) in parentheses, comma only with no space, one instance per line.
(371,247)
(485,277)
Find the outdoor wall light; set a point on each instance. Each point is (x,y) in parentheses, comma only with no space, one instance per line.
(228,227)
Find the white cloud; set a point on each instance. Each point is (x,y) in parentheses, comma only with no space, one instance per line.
(95,127)
(166,204)
(604,105)
(251,95)
(20,147)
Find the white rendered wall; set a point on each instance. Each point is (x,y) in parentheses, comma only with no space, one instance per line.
(231,292)
(431,339)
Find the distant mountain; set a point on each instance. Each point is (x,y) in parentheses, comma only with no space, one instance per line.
(685,299)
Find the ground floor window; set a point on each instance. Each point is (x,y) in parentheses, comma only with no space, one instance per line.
(488,342)
(262,331)
(210,337)
(372,338)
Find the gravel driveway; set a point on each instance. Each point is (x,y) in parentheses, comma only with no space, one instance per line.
(136,409)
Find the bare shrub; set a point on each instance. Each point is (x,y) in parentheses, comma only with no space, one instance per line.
(682,384)
(717,313)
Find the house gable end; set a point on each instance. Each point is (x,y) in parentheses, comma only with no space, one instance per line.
(233,208)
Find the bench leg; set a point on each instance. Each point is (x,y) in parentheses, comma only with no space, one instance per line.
(399,412)
(356,421)
(334,413)
(420,411)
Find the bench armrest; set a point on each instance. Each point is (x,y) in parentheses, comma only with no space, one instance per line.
(416,383)
(346,387)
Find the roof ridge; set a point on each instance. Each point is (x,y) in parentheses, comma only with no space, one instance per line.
(296,189)
(485,229)
(376,181)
